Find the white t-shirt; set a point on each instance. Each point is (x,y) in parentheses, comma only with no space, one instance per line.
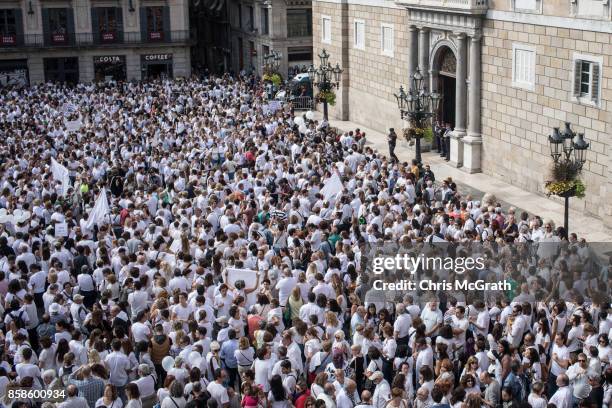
(218,392)
(562,354)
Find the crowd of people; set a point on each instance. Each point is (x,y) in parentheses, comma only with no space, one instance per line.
(135,306)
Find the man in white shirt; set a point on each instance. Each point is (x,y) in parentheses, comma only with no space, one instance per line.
(562,398)
(402,325)
(141,331)
(559,361)
(382,392)
(217,390)
(460,325)
(118,365)
(346,396)
(432,318)
(285,285)
(138,299)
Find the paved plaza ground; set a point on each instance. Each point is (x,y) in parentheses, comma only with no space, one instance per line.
(478,184)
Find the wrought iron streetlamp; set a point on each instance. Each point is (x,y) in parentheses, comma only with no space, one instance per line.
(417,106)
(271,62)
(326,78)
(568,151)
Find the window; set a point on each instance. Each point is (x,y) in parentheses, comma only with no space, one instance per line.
(526,5)
(8,24)
(587,78)
(251,20)
(265,21)
(326,29)
(299,23)
(523,66)
(155,20)
(386,39)
(359,31)
(58,21)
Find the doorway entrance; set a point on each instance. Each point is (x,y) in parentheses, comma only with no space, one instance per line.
(447,107)
(446,66)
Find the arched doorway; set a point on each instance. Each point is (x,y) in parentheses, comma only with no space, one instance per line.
(444,66)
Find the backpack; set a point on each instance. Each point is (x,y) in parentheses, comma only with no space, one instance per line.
(19,322)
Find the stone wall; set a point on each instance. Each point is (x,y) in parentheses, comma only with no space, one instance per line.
(517,122)
(372,77)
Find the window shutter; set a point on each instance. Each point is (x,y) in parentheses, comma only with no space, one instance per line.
(166,22)
(19,26)
(95,25)
(70,24)
(595,83)
(45,22)
(120,24)
(577,71)
(143,24)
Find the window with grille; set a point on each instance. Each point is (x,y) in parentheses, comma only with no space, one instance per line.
(359,29)
(523,66)
(587,71)
(386,41)
(326,29)
(265,21)
(155,19)
(299,22)
(8,24)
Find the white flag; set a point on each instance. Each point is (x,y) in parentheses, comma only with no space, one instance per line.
(99,211)
(61,174)
(332,187)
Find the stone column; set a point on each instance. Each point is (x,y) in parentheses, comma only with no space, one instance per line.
(473,140)
(424,55)
(456,148)
(413,52)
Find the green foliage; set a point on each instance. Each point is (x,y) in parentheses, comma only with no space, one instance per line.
(328,96)
(274,78)
(428,135)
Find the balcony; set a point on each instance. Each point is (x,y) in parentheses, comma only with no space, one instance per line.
(456,6)
(94,40)
(299,30)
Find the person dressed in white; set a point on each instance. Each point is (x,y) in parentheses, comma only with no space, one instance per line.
(382,392)
(562,398)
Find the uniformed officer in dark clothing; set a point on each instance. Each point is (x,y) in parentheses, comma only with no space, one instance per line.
(392,140)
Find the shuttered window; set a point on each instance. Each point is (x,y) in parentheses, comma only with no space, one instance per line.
(326,29)
(359,29)
(587,79)
(386,40)
(523,66)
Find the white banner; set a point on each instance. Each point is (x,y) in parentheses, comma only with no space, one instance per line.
(332,187)
(249,277)
(61,229)
(73,125)
(99,211)
(61,174)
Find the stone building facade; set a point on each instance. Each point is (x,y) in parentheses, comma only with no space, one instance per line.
(509,71)
(259,27)
(85,40)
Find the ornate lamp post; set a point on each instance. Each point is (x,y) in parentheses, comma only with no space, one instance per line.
(271,62)
(326,78)
(417,106)
(568,151)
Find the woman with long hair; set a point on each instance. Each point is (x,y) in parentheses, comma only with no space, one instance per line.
(277,396)
(133,396)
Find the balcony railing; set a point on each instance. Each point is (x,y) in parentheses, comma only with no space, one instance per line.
(91,39)
(474,6)
(299,30)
